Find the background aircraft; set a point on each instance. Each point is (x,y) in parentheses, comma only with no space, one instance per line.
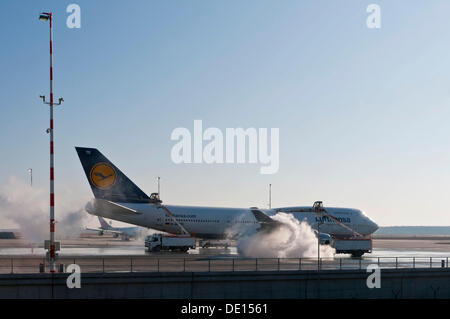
(126,233)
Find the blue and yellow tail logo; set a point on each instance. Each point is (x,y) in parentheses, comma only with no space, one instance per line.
(103,176)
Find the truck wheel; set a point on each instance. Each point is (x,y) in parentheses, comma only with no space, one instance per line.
(357,253)
(157,248)
(184,249)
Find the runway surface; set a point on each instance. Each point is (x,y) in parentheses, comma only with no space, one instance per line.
(109,246)
(107,254)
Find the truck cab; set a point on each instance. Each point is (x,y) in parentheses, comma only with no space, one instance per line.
(153,242)
(325,239)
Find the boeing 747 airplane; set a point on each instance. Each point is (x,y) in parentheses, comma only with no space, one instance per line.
(118,198)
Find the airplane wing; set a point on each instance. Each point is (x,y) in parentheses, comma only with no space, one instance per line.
(113,231)
(106,205)
(105,231)
(267,224)
(127,209)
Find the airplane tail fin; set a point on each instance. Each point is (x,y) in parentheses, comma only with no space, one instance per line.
(103,223)
(106,180)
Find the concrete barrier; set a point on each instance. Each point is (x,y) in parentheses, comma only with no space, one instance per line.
(395,283)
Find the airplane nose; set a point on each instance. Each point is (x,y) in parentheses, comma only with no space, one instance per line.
(373,227)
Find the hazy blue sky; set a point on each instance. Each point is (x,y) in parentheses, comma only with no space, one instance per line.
(363,113)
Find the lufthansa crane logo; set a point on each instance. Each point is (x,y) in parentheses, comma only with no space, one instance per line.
(103,175)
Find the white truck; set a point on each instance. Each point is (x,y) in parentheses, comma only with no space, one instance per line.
(158,242)
(354,246)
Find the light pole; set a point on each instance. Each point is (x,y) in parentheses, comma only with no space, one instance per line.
(270,196)
(318,244)
(30,170)
(318,209)
(159,194)
(45,16)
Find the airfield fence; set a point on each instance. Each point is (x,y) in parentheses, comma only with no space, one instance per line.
(107,264)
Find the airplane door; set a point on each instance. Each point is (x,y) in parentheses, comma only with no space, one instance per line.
(159,219)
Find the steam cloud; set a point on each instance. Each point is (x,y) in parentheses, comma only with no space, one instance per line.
(294,239)
(28,207)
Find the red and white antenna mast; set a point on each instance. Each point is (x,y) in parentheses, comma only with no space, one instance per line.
(51,246)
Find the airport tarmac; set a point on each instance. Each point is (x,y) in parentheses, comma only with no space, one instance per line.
(106,245)
(108,254)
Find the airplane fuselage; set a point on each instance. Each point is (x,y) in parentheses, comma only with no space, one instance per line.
(219,222)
